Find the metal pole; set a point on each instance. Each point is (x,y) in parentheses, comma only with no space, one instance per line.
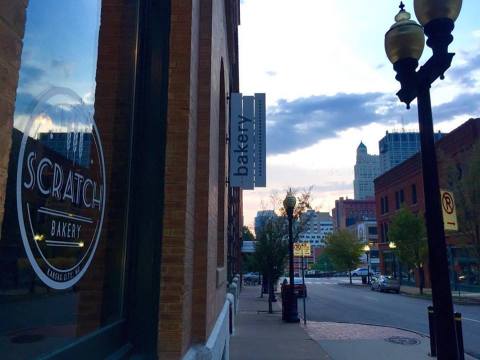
(292,311)
(368,269)
(304,290)
(458,328)
(431,327)
(437,251)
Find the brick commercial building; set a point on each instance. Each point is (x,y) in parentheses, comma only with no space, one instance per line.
(119,234)
(403,185)
(348,212)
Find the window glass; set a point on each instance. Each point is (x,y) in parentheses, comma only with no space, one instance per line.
(62,241)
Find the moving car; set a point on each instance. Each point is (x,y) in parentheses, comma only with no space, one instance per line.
(300,287)
(385,283)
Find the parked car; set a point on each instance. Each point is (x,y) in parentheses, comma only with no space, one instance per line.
(251,278)
(300,287)
(361,272)
(385,283)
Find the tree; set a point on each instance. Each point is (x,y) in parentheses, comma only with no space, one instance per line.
(408,233)
(464,181)
(271,251)
(324,263)
(344,249)
(247,234)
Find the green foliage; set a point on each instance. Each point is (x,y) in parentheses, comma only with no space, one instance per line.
(344,250)
(408,233)
(271,249)
(324,263)
(464,181)
(247,235)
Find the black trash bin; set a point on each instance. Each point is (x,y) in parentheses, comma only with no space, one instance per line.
(364,279)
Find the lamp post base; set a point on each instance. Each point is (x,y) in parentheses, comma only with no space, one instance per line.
(290,307)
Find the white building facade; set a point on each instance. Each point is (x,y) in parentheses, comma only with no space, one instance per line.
(316,227)
(367,168)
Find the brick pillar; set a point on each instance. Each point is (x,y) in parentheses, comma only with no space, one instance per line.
(12,27)
(175,309)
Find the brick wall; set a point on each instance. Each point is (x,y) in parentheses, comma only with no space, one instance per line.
(12,27)
(174,336)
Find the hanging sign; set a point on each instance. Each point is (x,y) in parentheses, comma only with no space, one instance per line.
(247,141)
(260,141)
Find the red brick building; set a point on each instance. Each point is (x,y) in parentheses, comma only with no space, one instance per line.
(403,185)
(129,253)
(348,212)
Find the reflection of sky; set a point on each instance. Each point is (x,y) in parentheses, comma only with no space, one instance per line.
(60,49)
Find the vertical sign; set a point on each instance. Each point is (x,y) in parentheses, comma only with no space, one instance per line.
(249,140)
(449,211)
(241,141)
(260,141)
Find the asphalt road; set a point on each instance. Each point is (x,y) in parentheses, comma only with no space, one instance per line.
(329,301)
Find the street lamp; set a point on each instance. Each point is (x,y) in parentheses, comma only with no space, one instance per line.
(291,313)
(404,46)
(366,248)
(392,247)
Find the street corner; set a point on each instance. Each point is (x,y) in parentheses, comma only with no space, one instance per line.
(341,340)
(346,331)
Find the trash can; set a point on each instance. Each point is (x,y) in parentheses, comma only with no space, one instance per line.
(364,279)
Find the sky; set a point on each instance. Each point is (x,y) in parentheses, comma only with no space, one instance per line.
(329,85)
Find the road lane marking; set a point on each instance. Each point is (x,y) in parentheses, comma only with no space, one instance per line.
(465,318)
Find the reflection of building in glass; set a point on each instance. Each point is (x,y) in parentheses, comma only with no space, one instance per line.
(74,146)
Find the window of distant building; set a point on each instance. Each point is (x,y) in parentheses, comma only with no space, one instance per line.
(414,194)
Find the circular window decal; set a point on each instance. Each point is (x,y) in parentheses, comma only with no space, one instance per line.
(60,188)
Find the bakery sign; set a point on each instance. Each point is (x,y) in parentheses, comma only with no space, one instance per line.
(60,188)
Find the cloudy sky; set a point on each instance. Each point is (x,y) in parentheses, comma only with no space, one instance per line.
(329,86)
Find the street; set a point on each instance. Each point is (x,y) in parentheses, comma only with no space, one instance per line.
(329,301)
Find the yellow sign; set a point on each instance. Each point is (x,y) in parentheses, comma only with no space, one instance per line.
(301,249)
(449,211)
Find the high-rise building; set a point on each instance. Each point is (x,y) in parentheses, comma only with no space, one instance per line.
(316,227)
(261,219)
(396,147)
(367,168)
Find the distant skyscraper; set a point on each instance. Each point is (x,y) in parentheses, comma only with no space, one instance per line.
(367,168)
(261,219)
(316,227)
(396,147)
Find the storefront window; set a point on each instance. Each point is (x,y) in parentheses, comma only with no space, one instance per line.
(63,238)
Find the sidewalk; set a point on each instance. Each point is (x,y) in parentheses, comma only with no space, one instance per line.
(263,336)
(259,335)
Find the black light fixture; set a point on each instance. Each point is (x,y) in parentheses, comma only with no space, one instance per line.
(291,312)
(392,246)
(404,46)
(366,248)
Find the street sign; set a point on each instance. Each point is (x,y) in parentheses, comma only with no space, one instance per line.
(449,210)
(302,249)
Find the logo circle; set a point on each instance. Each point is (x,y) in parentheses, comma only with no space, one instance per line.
(60,187)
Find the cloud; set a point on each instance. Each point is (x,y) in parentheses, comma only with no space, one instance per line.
(464,74)
(30,74)
(297,124)
(303,122)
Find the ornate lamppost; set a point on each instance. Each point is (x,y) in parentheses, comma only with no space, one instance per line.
(291,312)
(404,44)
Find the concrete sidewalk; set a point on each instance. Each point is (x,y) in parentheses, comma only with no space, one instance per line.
(260,335)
